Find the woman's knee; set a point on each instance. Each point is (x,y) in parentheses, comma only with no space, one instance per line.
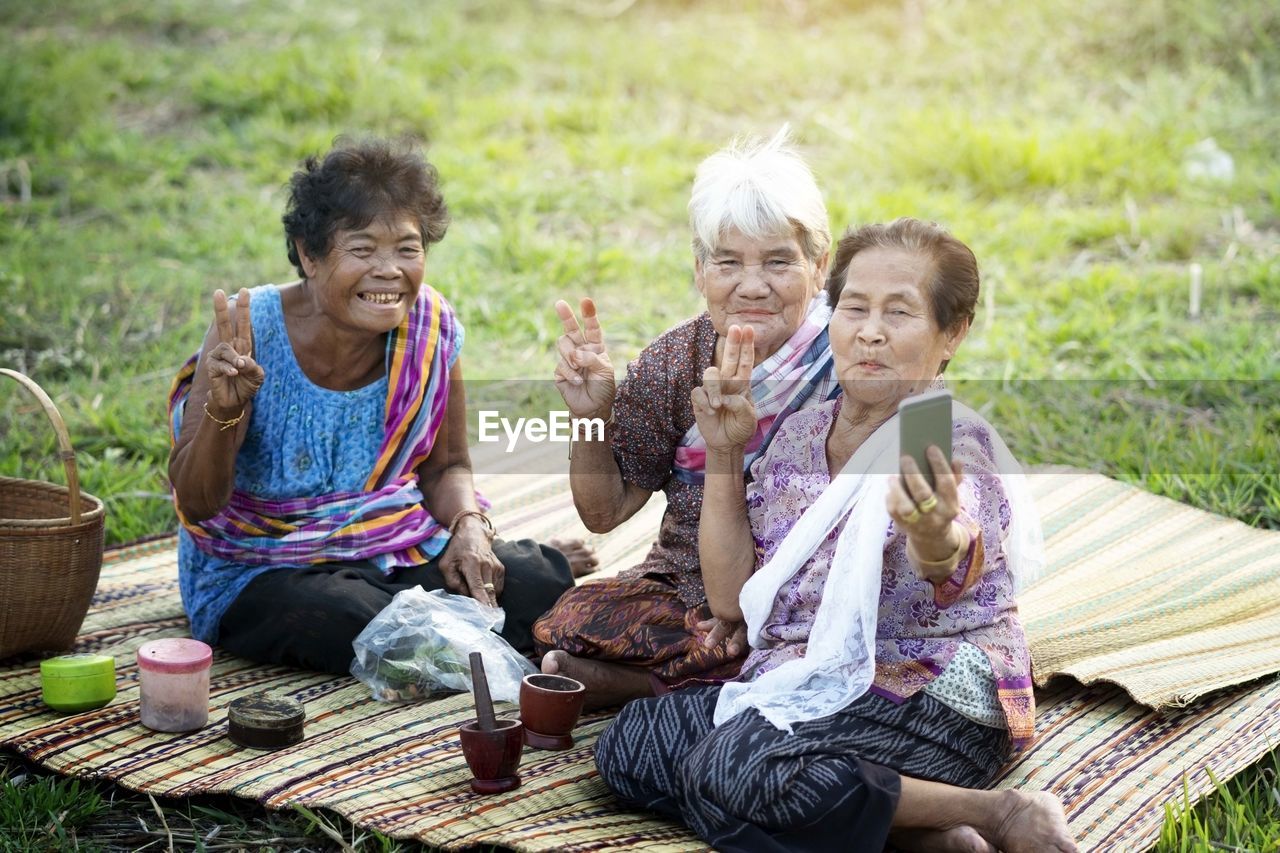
(654,733)
(609,755)
(734,770)
(619,748)
(538,575)
(301,617)
(738,775)
(715,772)
(556,625)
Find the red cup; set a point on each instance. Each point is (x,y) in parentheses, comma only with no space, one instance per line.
(549,708)
(493,756)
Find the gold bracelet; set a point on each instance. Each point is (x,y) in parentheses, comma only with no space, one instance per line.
(488,522)
(223,425)
(950,562)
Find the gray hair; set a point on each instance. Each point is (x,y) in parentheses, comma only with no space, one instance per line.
(763,189)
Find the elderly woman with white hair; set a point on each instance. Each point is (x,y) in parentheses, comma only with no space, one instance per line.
(760,244)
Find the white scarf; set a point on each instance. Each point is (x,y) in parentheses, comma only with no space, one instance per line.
(839,663)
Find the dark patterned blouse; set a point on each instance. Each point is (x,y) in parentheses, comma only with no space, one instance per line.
(652,413)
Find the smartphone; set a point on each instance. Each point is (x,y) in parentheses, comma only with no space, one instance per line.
(925,420)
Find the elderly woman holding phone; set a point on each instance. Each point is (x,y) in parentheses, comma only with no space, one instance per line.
(760,241)
(319,461)
(889,678)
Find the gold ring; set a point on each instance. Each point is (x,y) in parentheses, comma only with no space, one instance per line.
(490,587)
(912,517)
(929,503)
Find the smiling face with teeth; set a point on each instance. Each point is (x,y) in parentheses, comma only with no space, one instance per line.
(371,275)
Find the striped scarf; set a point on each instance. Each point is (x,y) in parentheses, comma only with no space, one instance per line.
(799,374)
(387,522)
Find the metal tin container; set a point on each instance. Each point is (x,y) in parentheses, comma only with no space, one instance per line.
(264,721)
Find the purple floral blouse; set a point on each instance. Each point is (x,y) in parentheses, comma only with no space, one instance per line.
(921,625)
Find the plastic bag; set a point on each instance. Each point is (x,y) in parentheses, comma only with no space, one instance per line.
(419,645)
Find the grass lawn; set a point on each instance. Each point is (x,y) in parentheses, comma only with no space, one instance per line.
(144,145)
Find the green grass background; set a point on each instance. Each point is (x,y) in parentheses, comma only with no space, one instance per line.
(144,145)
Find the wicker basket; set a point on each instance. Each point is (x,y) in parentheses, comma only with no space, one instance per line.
(50,550)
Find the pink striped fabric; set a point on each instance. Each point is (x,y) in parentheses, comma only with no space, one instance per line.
(387,522)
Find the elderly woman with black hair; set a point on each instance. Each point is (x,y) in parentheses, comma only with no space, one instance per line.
(319,460)
(889,678)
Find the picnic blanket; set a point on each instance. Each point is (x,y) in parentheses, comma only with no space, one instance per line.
(1168,601)
(399,768)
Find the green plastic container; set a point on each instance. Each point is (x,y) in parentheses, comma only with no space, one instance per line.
(71,683)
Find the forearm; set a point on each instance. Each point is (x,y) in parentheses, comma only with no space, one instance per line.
(448,491)
(202,470)
(725,545)
(953,559)
(600,494)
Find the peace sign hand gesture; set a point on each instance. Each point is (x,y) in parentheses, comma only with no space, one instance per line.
(722,405)
(584,374)
(234,377)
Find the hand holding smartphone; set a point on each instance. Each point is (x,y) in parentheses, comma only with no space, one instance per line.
(925,420)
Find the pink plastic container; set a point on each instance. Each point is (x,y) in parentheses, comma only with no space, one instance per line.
(174,678)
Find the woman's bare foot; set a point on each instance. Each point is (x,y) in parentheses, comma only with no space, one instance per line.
(581,556)
(1008,821)
(958,839)
(1030,822)
(607,683)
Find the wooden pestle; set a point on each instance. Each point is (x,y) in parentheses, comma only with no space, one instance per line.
(480,689)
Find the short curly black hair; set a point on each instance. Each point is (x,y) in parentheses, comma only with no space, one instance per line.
(356,182)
